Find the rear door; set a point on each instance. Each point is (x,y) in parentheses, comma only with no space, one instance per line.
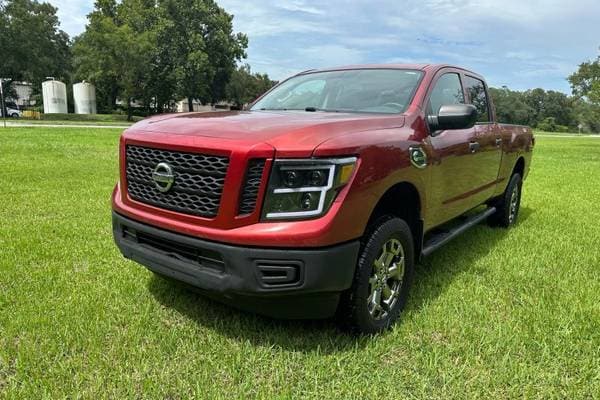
(488,156)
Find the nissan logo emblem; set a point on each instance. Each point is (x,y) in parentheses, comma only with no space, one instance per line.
(163,177)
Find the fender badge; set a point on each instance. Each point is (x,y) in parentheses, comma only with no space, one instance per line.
(418,157)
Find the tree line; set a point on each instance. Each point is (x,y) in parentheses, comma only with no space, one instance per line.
(155,52)
(144,52)
(546,110)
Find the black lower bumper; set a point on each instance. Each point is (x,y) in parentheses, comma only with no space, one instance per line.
(285,283)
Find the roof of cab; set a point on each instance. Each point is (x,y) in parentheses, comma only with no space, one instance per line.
(421,67)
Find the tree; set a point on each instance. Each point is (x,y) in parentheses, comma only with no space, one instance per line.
(152,51)
(534,107)
(31,43)
(560,107)
(244,87)
(203,48)
(548,125)
(117,52)
(548,104)
(587,114)
(585,84)
(586,81)
(510,106)
(95,54)
(263,84)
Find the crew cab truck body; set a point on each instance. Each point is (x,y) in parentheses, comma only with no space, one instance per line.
(321,197)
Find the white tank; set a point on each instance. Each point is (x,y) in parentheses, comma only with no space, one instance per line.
(84,95)
(55,97)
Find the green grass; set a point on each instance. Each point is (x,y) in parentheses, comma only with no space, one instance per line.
(26,121)
(495,314)
(544,133)
(88,117)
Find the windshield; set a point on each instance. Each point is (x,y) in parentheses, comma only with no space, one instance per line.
(386,91)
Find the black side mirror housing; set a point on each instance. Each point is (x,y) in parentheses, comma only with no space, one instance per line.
(453,116)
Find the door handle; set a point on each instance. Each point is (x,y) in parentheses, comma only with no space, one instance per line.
(498,141)
(474,146)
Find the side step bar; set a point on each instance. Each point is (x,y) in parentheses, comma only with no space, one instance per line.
(441,239)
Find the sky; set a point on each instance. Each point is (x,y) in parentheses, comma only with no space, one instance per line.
(522,44)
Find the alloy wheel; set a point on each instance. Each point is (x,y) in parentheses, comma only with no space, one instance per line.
(514,205)
(386,279)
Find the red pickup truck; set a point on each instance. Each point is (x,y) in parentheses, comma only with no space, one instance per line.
(319,199)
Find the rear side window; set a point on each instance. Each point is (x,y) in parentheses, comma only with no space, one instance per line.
(478,96)
(447,90)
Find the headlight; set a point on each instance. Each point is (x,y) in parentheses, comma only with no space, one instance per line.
(305,188)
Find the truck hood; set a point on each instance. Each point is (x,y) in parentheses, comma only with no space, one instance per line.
(291,133)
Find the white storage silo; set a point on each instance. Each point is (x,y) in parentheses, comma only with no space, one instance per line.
(84,95)
(55,97)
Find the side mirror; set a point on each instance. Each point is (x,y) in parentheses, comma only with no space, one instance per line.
(453,116)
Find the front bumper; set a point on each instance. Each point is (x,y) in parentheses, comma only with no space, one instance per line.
(289,283)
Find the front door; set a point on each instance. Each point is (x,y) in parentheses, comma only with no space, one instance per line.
(457,181)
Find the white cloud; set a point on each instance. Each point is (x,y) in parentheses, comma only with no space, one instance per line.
(331,54)
(72,14)
(300,6)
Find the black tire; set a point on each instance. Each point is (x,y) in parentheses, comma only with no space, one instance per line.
(356,311)
(507,207)
(15,115)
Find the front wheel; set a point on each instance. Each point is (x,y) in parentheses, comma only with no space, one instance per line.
(382,278)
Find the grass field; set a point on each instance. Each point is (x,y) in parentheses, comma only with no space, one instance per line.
(76,119)
(495,314)
(23,121)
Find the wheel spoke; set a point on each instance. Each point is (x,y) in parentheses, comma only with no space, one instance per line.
(395,247)
(387,292)
(376,298)
(389,257)
(379,263)
(397,269)
(373,281)
(374,303)
(389,302)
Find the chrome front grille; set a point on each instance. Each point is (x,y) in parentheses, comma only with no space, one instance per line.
(198,180)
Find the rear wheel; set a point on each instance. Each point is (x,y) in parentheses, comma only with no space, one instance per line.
(507,208)
(382,278)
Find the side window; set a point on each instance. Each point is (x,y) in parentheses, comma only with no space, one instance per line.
(447,90)
(478,96)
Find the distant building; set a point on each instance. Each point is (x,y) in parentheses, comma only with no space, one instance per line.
(182,106)
(24,90)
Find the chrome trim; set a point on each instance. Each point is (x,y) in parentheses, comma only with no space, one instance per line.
(418,157)
(163,174)
(309,163)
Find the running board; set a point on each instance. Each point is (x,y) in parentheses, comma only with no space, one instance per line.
(441,239)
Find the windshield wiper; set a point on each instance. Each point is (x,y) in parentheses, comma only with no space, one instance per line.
(314,109)
(307,109)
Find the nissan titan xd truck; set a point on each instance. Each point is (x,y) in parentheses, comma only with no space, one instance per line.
(320,197)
